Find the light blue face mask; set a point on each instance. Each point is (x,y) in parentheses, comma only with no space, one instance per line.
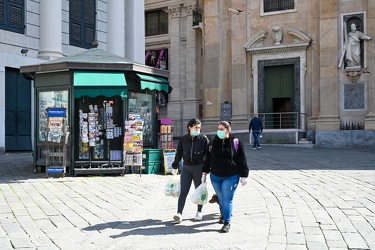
(195,133)
(220,134)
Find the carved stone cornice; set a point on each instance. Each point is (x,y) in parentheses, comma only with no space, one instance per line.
(278,49)
(257,40)
(190,7)
(174,10)
(299,35)
(256,44)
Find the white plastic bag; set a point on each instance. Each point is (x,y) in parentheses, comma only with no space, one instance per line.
(200,195)
(173,187)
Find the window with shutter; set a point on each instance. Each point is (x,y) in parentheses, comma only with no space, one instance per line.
(278,5)
(12,16)
(82,14)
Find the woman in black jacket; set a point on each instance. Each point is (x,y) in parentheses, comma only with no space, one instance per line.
(226,161)
(192,148)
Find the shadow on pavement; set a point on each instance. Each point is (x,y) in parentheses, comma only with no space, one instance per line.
(157,227)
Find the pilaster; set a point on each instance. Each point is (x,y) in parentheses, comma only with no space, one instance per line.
(370,118)
(329,87)
(192,88)
(175,102)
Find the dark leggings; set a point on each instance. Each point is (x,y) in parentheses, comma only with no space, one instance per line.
(189,173)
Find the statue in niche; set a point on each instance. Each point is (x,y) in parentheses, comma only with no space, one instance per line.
(353,46)
(277,34)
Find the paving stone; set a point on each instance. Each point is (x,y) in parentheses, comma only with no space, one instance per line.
(354,241)
(313,245)
(293,199)
(21,242)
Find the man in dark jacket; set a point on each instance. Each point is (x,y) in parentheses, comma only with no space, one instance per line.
(256,126)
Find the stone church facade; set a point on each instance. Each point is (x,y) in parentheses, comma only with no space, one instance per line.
(289,63)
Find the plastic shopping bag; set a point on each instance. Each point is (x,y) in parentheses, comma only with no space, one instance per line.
(200,195)
(173,187)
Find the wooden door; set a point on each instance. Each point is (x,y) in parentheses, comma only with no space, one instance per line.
(17,111)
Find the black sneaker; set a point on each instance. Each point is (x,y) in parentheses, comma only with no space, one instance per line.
(258,148)
(226,227)
(254,148)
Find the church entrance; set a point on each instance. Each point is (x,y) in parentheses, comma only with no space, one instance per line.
(279,95)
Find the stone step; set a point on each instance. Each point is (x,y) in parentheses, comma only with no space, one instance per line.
(304,141)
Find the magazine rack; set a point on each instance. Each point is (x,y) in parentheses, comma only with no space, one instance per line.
(57,147)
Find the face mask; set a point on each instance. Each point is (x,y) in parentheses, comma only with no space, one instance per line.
(220,134)
(195,133)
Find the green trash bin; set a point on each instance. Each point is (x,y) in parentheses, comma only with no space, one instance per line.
(151,167)
(150,154)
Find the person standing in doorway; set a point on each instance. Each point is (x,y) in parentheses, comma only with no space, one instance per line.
(192,148)
(256,127)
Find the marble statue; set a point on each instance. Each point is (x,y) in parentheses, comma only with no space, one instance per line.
(353,48)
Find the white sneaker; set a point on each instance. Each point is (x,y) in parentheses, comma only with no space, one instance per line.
(198,216)
(177,217)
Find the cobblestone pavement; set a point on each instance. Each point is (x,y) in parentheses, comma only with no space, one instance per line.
(296,198)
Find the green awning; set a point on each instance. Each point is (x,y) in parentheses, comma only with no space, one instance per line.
(102,78)
(96,83)
(153,83)
(94,92)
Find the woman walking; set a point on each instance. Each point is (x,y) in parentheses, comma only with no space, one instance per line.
(227,165)
(192,148)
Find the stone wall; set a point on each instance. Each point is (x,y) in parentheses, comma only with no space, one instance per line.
(345,139)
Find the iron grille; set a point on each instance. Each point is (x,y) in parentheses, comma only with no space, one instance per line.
(278,5)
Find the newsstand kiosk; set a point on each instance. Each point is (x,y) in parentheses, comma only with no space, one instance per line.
(96,93)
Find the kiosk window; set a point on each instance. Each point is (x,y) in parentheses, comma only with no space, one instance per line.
(50,99)
(141,105)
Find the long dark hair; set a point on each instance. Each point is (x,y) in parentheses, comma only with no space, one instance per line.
(192,123)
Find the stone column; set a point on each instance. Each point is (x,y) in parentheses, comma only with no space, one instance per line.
(116,27)
(135,31)
(370,118)
(175,108)
(192,87)
(329,85)
(50,29)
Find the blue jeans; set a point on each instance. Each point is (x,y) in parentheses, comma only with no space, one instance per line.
(256,141)
(224,188)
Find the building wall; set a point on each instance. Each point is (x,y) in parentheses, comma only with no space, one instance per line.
(11,43)
(184,43)
(232,76)
(233,46)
